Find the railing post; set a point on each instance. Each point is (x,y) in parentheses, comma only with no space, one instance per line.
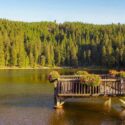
(121,85)
(104,88)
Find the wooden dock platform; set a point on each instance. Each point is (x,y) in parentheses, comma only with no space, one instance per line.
(70,87)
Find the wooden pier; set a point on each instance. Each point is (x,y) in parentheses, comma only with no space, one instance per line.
(70,86)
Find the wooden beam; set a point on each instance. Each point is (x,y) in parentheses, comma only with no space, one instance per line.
(77,95)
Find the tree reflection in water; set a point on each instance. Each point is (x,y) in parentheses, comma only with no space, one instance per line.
(81,114)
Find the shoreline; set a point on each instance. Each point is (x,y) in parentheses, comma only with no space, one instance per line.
(4,68)
(55,67)
(60,67)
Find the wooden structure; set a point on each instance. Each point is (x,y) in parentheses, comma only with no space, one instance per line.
(70,86)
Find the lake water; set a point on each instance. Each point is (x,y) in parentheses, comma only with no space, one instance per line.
(26,98)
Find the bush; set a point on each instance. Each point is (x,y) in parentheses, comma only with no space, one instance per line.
(121,74)
(82,73)
(116,73)
(113,72)
(53,76)
(91,79)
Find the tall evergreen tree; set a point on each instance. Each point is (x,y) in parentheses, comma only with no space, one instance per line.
(68,44)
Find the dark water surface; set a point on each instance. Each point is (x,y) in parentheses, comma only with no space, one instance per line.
(26,98)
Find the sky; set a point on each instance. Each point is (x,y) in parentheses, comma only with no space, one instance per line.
(87,11)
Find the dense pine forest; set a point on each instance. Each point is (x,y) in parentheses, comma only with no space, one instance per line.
(68,44)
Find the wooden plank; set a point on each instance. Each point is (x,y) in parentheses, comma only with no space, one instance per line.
(77,95)
(102,80)
(89,95)
(109,80)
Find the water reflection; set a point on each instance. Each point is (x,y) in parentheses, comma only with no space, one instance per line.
(26,98)
(78,114)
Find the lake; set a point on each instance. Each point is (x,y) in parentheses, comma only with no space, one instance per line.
(26,98)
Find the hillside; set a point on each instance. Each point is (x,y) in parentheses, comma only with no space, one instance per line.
(68,44)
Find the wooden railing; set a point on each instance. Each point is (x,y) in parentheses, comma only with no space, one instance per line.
(69,86)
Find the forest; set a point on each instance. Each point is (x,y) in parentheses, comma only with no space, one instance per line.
(73,44)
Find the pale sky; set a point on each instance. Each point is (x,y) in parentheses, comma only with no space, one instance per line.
(87,11)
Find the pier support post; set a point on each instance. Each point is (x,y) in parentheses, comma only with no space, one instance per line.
(58,103)
(108,104)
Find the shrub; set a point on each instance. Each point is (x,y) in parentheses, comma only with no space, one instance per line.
(121,74)
(113,72)
(53,76)
(90,79)
(82,73)
(116,73)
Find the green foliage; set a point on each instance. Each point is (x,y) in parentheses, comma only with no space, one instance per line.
(2,55)
(68,44)
(82,73)
(113,72)
(121,74)
(42,60)
(117,73)
(90,79)
(54,75)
